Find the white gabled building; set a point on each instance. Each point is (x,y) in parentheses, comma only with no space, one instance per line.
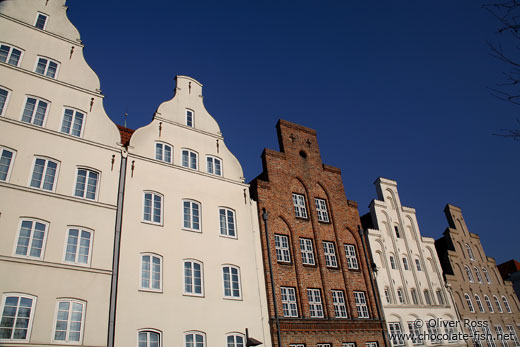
(59,172)
(190,271)
(409,275)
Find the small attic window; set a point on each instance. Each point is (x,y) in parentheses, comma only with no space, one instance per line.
(303,154)
(41,20)
(189,118)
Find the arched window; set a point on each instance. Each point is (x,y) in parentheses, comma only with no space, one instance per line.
(151,272)
(235,340)
(195,339)
(506,304)
(470,252)
(488,303)
(477,273)
(468,273)
(149,338)
(469,302)
(479,303)
(497,303)
(193,278)
(486,275)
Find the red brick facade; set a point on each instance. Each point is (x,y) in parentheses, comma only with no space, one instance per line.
(298,168)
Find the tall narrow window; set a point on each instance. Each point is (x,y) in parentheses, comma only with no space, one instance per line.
(489,337)
(468,273)
(190,118)
(10,55)
(72,123)
(350,253)
(427,298)
(500,335)
(4,94)
(235,340)
(151,268)
(361,304)
(440,297)
(149,338)
(299,205)
(415,334)
(418,264)
(231,277)
(6,158)
(506,304)
(281,243)
(189,159)
(497,303)
(78,246)
(191,212)
(31,239)
(330,254)
(41,21)
(17,316)
(338,300)
(321,209)
(479,303)
(400,295)
(486,275)
(214,166)
(413,293)
(290,308)
(488,303)
(396,229)
(35,111)
(469,302)
(86,184)
(477,274)
(227,222)
(307,251)
(194,339)
(512,334)
(392,262)
(395,333)
(315,305)
(152,208)
(387,295)
(470,252)
(433,331)
(163,152)
(69,321)
(47,67)
(405,263)
(44,174)
(193,277)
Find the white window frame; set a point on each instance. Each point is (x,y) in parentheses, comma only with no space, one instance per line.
(231,281)
(489,339)
(44,173)
(289,304)
(148,332)
(11,162)
(469,303)
(338,301)
(321,210)
(486,274)
(307,251)
(300,209)
(281,245)
(479,304)
(477,274)
(512,332)
(361,304)
(329,250)
(351,256)
(348,344)
(192,159)
(74,117)
(469,274)
(79,245)
(470,251)
(324,345)
(6,101)
(405,263)
(211,165)
(38,14)
(71,302)
(418,264)
(194,334)
(152,213)
(500,331)
(315,303)
(31,238)
(149,278)
(193,224)
(31,315)
(498,304)
(506,304)
(34,111)
(48,62)
(191,269)
(234,340)
(371,344)
(488,303)
(162,156)
(88,183)
(189,114)
(415,332)
(10,54)
(433,330)
(394,328)
(227,228)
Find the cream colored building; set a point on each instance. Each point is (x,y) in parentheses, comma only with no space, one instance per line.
(59,173)
(409,276)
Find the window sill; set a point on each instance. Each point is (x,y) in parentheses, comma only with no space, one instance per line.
(309,265)
(193,230)
(229,237)
(288,263)
(152,223)
(232,298)
(146,290)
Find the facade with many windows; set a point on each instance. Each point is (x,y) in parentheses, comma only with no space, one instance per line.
(322,290)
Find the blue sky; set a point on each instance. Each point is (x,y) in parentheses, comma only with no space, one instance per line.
(394,89)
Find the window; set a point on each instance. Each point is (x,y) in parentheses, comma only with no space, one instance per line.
(470,252)
(151,266)
(400,296)
(189,118)
(307,251)
(440,297)
(227,222)
(338,300)
(486,274)
(468,273)
(152,208)
(330,254)
(297,345)
(500,335)
(413,293)
(396,229)
(427,298)
(4,94)
(514,337)
(149,339)
(41,21)
(31,239)
(477,273)
(348,344)
(361,304)
(488,303)
(479,303)
(497,303)
(163,152)
(281,243)
(395,334)
(415,334)
(193,277)
(405,263)
(315,305)
(489,337)
(17,315)
(387,295)
(418,264)
(434,332)
(10,55)
(392,262)
(78,246)
(350,253)
(321,208)
(299,205)
(323,345)
(44,174)
(214,166)
(231,275)
(191,211)
(189,159)
(69,321)
(6,158)
(289,302)
(235,340)
(371,344)
(469,302)
(35,111)
(86,184)
(72,123)
(506,304)
(194,339)
(47,67)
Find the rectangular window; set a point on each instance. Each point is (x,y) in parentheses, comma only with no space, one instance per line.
(189,159)
(299,205)
(72,123)
(6,158)
(152,208)
(17,316)
(315,305)
(290,309)
(348,344)
(361,305)
(321,209)
(163,152)
(415,334)
(371,344)
(47,67)
(31,239)
(44,174)
(78,246)
(350,253)
(392,262)
(41,21)
(10,55)
(395,334)
(69,321)
(281,243)
(3,100)
(324,345)
(434,332)
(193,277)
(189,118)
(227,222)
(191,211)
(307,251)
(231,276)
(418,264)
(214,166)
(338,300)
(151,272)
(86,184)
(149,338)
(405,264)
(512,334)
(440,297)
(500,335)
(330,254)
(193,339)
(297,345)
(35,111)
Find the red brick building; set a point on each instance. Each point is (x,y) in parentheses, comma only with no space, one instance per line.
(324,294)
